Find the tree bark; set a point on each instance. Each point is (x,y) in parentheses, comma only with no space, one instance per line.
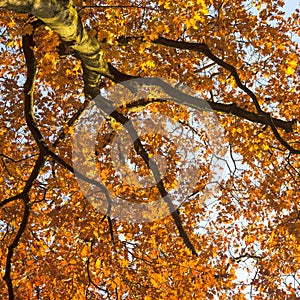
(62,17)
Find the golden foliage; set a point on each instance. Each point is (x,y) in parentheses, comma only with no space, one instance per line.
(246,236)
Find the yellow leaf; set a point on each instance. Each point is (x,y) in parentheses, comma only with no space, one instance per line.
(154,282)
(85,251)
(98,264)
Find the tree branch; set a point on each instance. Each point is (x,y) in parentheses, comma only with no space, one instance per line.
(105,106)
(13,245)
(204,49)
(232,108)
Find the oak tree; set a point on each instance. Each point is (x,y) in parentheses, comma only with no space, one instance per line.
(240,240)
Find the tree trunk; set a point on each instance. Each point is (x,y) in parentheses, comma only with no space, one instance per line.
(62,17)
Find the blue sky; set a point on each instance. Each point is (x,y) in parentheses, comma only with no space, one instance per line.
(291,5)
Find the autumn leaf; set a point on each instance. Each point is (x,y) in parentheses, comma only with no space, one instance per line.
(217,133)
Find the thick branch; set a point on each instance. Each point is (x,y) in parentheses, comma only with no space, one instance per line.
(232,108)
(64,19)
